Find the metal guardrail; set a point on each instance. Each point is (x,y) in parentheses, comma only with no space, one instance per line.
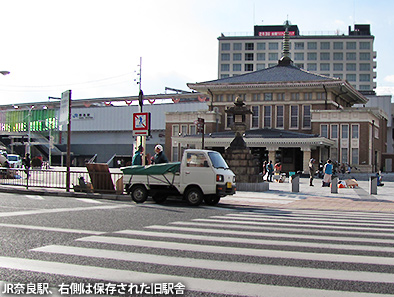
(80,181)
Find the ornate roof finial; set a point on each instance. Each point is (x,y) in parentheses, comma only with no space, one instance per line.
(285,60)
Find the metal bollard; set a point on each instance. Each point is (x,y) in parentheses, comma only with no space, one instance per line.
(373,185)
(334,185)
(295,183)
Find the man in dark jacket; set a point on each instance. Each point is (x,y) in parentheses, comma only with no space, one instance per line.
(159,157)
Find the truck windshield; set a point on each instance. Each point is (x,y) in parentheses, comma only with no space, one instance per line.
(217,160)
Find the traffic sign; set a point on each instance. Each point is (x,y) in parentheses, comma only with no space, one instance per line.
(141,124)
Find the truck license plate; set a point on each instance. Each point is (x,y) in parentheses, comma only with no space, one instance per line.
(229,185)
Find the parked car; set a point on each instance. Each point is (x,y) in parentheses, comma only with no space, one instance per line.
(15,161)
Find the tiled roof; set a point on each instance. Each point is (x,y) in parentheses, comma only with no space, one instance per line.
(277,73)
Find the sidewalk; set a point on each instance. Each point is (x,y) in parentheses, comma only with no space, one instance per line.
(318,197)
(279,196)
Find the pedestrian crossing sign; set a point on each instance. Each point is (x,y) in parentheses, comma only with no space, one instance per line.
(141,124)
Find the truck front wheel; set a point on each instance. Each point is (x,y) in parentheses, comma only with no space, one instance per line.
(194,196)
(139,194)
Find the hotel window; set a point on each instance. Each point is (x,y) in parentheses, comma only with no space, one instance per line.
(338,56)
(273,46)
(267,96)
(312,45)
(311,66)
(308,96)
(338,67)
(280,116)
(267,116)
(324,56)
(260,46)
(192,129)
(298,56)
(312,56)
(324,67)
(324,45)
(219,98)
(249,46)
(351,77)
(321,96)
(324,130)
(273,56)
(260,56)
(365,56)
(249,57)
(295,96)
(294,116)
(230,98)
(255,97)
(230,120)
(345,131)
(355,132)
(351,67)
(260,66)
(299,65)
(365,67)
(184,129)
(338,75)
(344,152)
(225,67)
(280,96)
(351,45)
(365,77)
(237,46)
(334,131)
(355,156)
(237,57)
(225,57)
(175,130)
(255,116)
(225,46)
(351,56)
(365,45)
(248,67)
(174,153)
(306,122)
(338,45)
(237,67)
(298,45)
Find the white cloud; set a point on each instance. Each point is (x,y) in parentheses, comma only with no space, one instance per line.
(389,78)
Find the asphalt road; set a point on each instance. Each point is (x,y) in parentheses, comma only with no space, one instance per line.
(69,243)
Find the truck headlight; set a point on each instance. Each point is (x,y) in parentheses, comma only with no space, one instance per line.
(219,178)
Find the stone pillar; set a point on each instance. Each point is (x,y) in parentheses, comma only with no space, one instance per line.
(306,158)
(272,154)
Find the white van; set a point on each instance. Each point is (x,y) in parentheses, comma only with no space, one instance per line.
(15,161)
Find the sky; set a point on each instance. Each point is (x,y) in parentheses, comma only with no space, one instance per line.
(93,47)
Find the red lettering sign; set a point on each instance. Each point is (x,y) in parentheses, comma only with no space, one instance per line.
(276,33)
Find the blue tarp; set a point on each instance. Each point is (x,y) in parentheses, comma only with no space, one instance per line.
(155,169)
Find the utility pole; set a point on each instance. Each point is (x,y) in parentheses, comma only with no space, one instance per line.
(142,139)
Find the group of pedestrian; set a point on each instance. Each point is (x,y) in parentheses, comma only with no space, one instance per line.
(158,158)
(327,171)
(269,169)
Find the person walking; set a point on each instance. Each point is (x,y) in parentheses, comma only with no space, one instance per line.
(137,158)
(327,173)
(159,157)
(270,169)
(311,171)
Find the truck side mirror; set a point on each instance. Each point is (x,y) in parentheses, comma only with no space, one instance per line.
(206,163)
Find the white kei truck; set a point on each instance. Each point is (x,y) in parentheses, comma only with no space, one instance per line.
(202,175)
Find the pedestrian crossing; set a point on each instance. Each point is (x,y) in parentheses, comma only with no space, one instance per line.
(246,253)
